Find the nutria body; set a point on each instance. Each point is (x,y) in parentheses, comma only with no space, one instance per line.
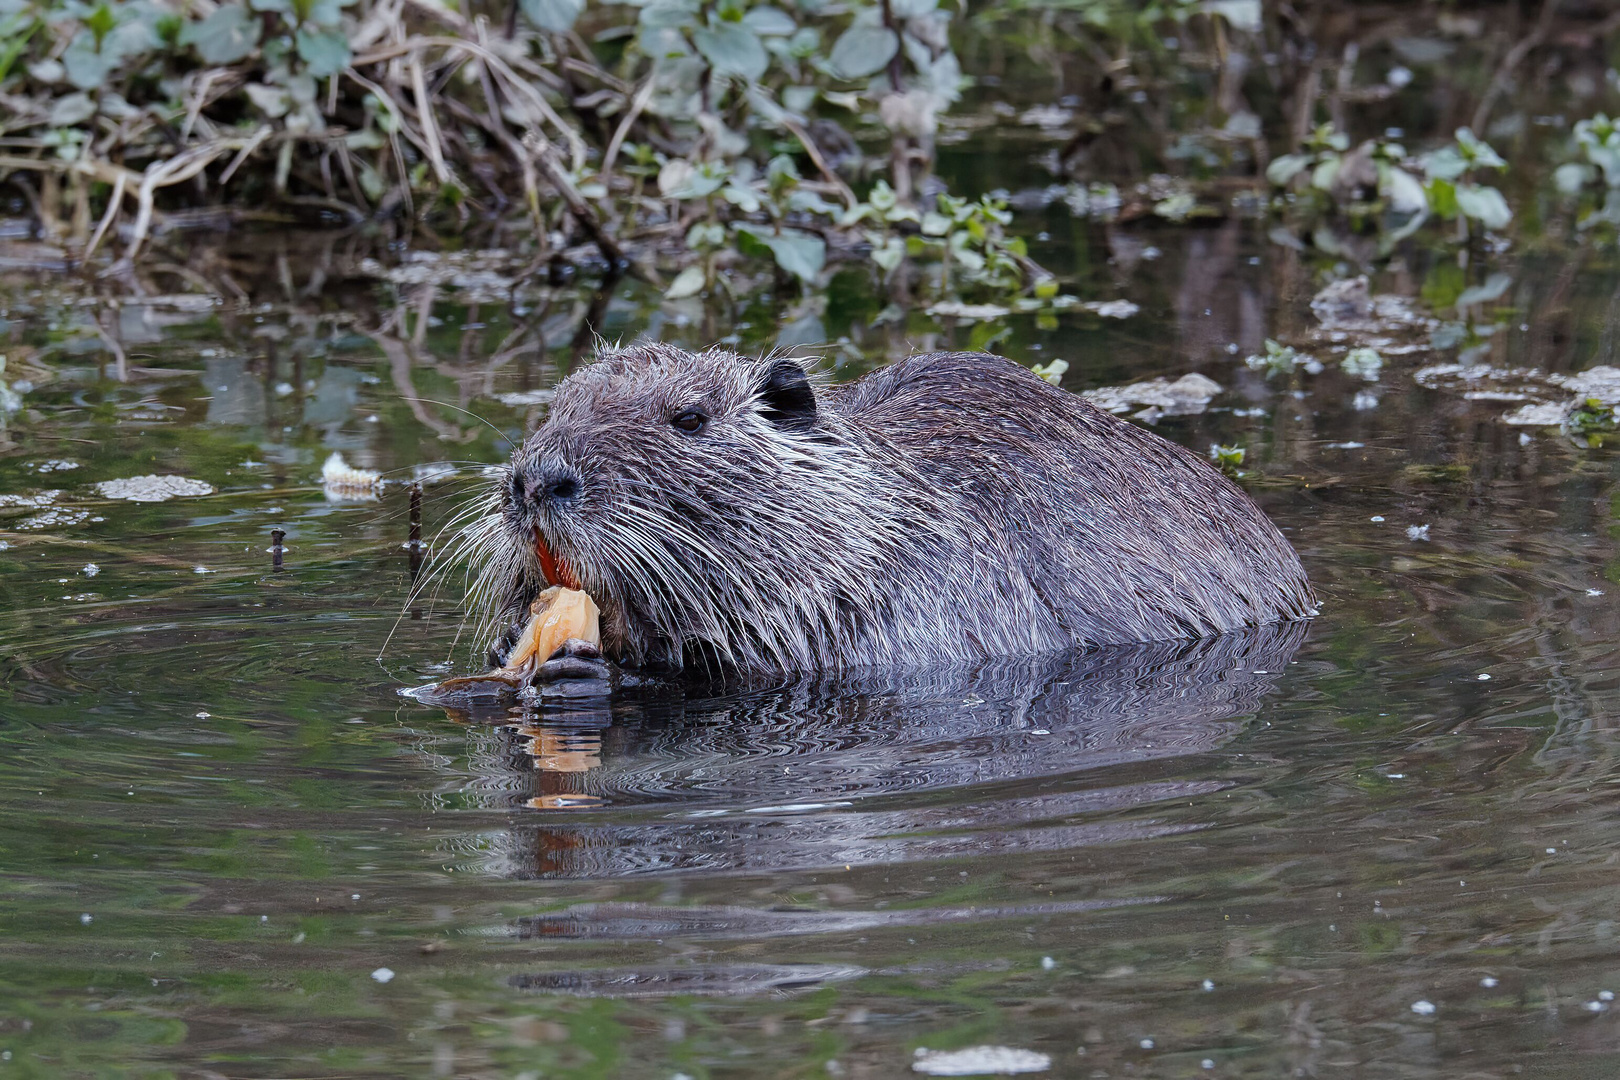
(728,513)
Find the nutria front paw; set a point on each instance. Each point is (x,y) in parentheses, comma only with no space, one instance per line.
(574,659)
(501,647)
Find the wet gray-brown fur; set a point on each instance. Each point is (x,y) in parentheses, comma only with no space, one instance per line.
(953,506)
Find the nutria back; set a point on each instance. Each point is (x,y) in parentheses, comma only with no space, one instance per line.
(729,512)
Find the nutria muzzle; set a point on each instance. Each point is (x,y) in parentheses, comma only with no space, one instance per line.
(733,512)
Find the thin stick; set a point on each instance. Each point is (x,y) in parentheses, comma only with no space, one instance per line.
(820,162)
(538,147)
(1514,57)
(430,126)
(643,96)
(113,205)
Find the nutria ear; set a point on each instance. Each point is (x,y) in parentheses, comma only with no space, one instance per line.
(786,398)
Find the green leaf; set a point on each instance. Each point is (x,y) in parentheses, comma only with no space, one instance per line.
(1445,163)
(272,101)
(1495,287)
(669,15)
(1478,151)
(100,22)
(743,198)
(86,68)
(732,49)
(1442,197)
(863,50)
(326,52)
(1240,14)
(557,16)
(1484,204)
(798,99)
(770,22)
(72,109)
(1326,171)
(225,37)
(1285,168)
(1571,177)
(680,179)
(688,282)
(1403,190)
(801,254)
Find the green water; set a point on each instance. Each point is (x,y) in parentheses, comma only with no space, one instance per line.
(219,821)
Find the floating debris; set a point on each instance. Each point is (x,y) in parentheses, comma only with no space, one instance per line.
(383,975)
(955,309)
(54,518)
(519,398)
(1362,363)
(31,502)
(980,1061)
(483,275)
(433,472)
(53,465)
(339,478)
(1185,396)
(1350,307)
(1417,532)
(1047,116)
(90,570)
(1111,309)
(1423,1008)
(153,488)
(1597,387)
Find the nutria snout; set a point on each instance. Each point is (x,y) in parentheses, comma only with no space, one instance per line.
(734,513)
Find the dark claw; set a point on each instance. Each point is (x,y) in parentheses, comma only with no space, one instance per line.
(501,647)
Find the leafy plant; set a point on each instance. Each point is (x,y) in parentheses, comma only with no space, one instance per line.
(1453,193)
(1280,359)
(1592,422)
(1362,363)
(1376,185)
(1229,459)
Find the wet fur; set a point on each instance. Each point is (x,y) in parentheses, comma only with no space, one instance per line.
(952,506)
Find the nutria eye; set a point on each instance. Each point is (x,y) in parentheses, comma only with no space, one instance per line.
(690,421)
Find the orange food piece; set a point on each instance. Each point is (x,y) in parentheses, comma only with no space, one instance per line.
(556,615)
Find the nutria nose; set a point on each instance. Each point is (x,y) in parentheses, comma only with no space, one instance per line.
(551,484)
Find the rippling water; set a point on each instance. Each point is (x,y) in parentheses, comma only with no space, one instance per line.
(231,849)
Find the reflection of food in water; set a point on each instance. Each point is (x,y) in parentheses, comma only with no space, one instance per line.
(557,752)
(791,777)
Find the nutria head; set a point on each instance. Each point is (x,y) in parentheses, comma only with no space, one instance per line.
(697,497)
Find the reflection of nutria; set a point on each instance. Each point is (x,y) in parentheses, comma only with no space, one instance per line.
(726,511)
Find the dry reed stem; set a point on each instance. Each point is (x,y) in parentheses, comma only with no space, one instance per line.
(520,87)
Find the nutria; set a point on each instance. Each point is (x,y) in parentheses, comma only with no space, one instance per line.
(735,515)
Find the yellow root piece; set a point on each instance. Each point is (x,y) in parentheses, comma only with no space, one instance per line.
(556,615)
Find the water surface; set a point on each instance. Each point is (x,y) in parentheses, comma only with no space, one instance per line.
(230,848)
